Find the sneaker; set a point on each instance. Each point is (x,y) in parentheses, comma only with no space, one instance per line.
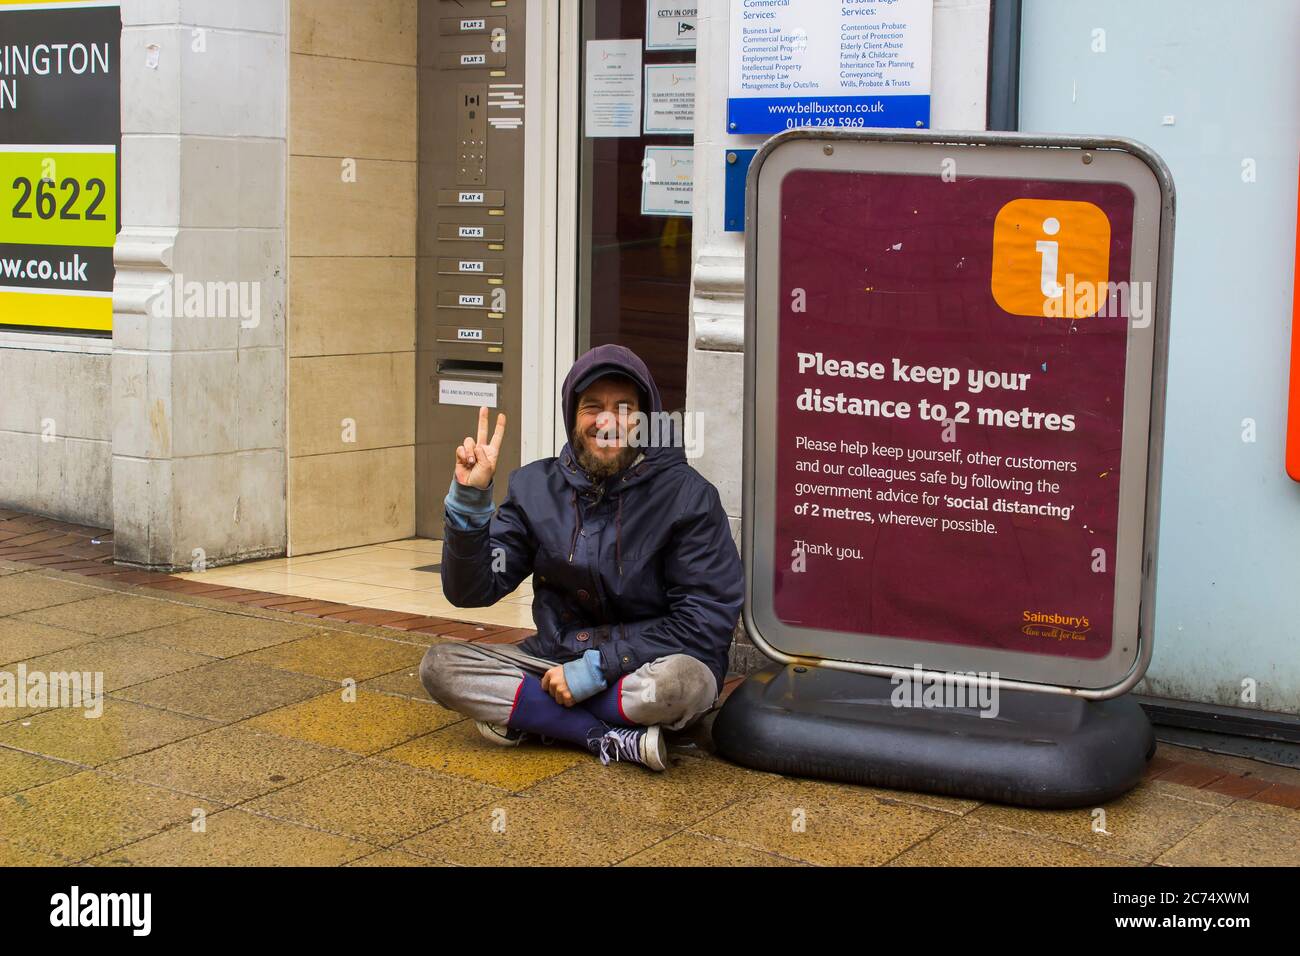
(633,744)
(500,734)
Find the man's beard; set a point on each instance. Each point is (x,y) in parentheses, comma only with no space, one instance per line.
(598,469)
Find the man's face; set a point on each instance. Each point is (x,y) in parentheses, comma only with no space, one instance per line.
(601,424)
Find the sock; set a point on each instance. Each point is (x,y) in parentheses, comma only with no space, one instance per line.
(536,712)
(605,706)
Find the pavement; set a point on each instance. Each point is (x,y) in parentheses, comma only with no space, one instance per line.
(235,734)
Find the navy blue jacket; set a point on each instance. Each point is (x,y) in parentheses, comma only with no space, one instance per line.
(640,566)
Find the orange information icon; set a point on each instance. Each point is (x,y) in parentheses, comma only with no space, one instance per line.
(1051,258)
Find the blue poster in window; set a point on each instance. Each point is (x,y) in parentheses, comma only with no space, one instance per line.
(837,63)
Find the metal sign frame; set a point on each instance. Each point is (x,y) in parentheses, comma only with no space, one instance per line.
(985,155)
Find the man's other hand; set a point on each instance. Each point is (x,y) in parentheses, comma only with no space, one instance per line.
(554,684)
(476,460)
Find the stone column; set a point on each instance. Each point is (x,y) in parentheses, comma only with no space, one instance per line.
(198,378)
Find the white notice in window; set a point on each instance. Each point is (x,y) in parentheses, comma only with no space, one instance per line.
(613,89)
(670,99)
(668,181)
(670,24)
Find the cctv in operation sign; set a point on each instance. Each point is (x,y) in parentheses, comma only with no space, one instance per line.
(60,138)
(956,463)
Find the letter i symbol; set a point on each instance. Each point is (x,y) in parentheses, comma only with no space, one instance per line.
(1050,251)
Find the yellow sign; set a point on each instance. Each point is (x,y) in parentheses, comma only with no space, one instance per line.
(49,310)
(55,198)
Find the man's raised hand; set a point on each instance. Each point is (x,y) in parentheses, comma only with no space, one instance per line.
(476,460)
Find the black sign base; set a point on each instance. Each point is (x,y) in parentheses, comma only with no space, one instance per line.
(1041,750)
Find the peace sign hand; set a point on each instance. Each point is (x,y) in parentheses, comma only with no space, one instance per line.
(476,461)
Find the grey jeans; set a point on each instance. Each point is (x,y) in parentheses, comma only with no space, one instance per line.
(480,681)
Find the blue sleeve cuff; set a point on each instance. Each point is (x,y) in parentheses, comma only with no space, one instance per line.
(468,508)
(584,676)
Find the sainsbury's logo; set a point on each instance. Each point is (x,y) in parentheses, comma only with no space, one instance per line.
(1058,627)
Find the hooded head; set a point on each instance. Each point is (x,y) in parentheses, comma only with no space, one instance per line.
(603,362)
(607,360)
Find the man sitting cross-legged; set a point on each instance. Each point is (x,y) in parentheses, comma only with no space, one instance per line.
(637,585)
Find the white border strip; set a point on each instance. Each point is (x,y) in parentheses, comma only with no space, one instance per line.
(52,147)
(71,292)
(69,5)
(86,344)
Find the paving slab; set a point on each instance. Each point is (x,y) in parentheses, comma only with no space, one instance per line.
(225,635)
(21,640)
(113,614)
(226,690)
(121,660)
(1245,834)
(14,714)
(88,814)
(13,855)
(27,592)
(237,838)
(377,801)
(404,682)
(230,764)
(964,843)
(1228,764)
(21,771)
(1202,795)
(461,751)
(822,823)
(1140,825)
(123,729)
(692,849)
(366,725)
(340,655)
(689,791)
(395,858)
(958,806)
(523,831)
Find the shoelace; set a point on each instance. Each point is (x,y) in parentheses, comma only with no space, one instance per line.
(620,743)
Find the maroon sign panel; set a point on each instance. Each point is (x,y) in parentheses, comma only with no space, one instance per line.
(950,408)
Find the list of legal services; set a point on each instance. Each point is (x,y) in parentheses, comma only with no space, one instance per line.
(841,63)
